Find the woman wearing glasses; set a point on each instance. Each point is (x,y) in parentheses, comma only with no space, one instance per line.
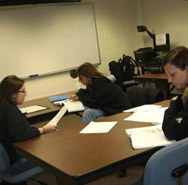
(13,125)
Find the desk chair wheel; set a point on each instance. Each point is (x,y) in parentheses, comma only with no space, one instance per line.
(122,173)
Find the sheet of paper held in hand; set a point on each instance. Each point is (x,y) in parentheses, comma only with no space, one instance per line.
(98,127)
(58,116)
(31,109)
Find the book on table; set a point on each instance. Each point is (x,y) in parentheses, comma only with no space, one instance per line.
(146,137)
(72,106)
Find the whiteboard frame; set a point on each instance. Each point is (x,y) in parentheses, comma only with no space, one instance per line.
(42,74)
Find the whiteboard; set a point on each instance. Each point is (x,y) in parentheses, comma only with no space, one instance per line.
(47,39)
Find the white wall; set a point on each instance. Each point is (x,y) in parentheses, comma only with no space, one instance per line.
(116,25)
(165,16)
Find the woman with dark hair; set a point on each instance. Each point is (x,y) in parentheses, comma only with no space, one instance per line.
(13,125)
(101,97)
(175,124)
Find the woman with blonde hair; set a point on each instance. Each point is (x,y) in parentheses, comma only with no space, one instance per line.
(101,97)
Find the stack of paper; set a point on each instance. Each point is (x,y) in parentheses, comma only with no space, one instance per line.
(72,106)
(31,109)
(153,115)
(146,137)
(143,108)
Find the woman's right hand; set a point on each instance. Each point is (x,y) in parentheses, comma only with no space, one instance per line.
(47,129)
(74,97)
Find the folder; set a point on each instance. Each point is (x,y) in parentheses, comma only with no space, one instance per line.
(58,98)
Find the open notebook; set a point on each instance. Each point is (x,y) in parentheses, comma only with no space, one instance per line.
(72,106)
(146,137)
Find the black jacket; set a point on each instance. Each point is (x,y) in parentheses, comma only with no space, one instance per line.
(13,128)
(175,123)
(105,95)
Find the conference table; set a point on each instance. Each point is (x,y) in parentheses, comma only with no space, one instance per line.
(160,80)
(78,159)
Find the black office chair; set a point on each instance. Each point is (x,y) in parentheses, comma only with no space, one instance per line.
(139,95)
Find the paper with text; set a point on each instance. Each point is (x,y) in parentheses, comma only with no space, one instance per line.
(58,116)
(31,109)
(147,137)
(160,39)
(98,127)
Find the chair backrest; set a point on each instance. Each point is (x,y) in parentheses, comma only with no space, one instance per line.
(4,158)
(160,166)
(115,70)
(140,96)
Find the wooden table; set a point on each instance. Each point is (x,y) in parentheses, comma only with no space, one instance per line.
(160,80)
(81,158)
(51,108)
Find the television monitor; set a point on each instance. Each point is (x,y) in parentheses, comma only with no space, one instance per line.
(161,42)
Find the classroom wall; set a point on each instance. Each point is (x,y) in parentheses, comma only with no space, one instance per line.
(117,34)
(116,25)
(169,16)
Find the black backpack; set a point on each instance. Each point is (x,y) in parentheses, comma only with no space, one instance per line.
(123,70)
(129,67)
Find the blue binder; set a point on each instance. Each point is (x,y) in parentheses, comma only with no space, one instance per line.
(59,98)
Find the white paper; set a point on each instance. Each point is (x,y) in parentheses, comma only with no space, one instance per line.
(142,108)
(98,127)
(151,116)
(130,130)
(147,137)
(31,109)
(58,116)
(160,39)
(72,106)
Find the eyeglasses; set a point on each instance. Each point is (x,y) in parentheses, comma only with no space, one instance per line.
(24,91)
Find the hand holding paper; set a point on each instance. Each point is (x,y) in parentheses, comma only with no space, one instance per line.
(58,116)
